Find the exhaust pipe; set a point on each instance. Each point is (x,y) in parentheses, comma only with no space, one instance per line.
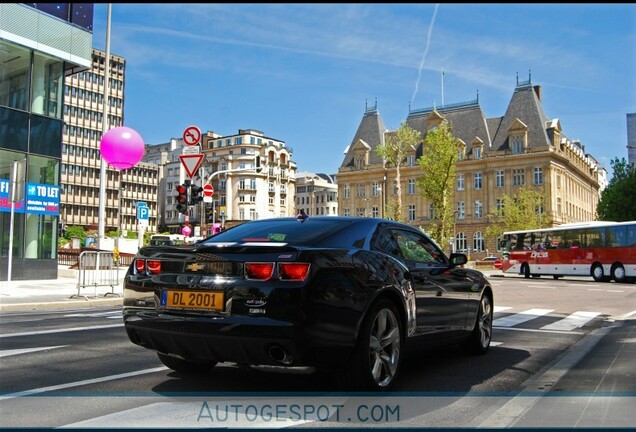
(280,355)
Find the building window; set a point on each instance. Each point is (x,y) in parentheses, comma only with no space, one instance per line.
(479,209)
(477,182)
(460,242)
(410,160)
(499,178)
(346,191)
(478,242)
(375,188)
(411,187)
(477,153)
(500,207)
(431,211)
(460,182)
(360,191)
(461,152)
(517,144)
(374,212)
(518,177)
(411,213)
(346,212)
(538,176)
(461,210)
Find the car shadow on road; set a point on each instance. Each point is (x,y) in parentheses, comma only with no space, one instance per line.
(444,370)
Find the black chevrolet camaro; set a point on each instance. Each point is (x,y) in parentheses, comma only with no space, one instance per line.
(343,294)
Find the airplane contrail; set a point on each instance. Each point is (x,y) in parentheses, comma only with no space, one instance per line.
(428,42)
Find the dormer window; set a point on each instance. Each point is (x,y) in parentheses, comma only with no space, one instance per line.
(359,161)
(517,144)
(478,147)
(461,151)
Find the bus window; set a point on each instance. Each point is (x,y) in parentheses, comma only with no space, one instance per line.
(617,236)
(631,235)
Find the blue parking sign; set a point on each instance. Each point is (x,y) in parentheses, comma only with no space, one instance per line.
(143,212)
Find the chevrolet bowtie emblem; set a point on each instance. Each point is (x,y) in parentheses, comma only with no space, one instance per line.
(195,267)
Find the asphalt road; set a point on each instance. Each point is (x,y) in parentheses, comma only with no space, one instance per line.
(562,356)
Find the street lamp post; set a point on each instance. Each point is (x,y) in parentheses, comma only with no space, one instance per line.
(383,195)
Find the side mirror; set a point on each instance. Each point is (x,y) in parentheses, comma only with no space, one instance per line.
(457,259)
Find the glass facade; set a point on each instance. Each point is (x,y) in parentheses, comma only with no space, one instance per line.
(31,101)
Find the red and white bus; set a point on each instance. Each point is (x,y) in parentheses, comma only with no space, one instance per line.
(602,250)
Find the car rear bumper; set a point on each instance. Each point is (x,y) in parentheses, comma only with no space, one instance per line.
(243,340)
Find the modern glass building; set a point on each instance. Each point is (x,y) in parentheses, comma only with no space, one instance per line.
(40,44)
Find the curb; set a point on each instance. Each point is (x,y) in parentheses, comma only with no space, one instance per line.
(71,303)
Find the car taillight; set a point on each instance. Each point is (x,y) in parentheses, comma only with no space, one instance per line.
(140,266)
(293,271)
(260,271)
(153,266)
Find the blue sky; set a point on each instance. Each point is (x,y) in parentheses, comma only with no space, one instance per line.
(302,73)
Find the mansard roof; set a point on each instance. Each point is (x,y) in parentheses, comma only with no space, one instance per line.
(525,106)
(371,132)
(467,122)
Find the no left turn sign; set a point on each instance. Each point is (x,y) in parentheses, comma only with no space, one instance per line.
(192,135)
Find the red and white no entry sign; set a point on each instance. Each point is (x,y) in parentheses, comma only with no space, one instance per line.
(191,135)
(208,190)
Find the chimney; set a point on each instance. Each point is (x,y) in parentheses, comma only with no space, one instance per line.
(537,90)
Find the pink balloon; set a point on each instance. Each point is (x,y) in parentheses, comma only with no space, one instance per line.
(186,231)
(122,147)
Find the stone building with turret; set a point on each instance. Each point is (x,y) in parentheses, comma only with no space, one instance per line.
(497,156)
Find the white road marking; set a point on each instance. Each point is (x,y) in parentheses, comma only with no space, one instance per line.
(521,317)
(81,383)
(95,314)
(575,320)
(7,353)
(64,330)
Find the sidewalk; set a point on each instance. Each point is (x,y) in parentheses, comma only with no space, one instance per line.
(60,293)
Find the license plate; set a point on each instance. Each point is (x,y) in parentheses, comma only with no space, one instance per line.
(208,300)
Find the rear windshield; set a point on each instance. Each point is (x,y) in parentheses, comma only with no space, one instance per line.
(289,231)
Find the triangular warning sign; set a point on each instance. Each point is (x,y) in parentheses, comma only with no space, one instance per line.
(191,163)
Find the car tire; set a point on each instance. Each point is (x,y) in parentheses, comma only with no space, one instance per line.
(618,273)
(378,351)
(479,340)
(598,274)
(525,270)
(185,366)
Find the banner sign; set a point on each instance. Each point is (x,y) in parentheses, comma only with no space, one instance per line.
(41,199)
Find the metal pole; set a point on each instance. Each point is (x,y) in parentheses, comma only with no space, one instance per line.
(101,232)
(121,174)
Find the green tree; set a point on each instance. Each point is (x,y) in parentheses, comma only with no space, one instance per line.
(76,231)
(437,182)
(397,144)
(617,199)
(525,210)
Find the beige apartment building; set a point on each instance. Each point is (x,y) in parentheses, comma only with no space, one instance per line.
(81,158)
(242,193)
(497,156)
(316,194)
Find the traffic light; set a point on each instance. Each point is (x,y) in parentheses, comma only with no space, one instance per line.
(209,213)
(195,194)
(182,199)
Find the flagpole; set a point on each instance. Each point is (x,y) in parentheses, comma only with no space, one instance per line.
(442,87)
